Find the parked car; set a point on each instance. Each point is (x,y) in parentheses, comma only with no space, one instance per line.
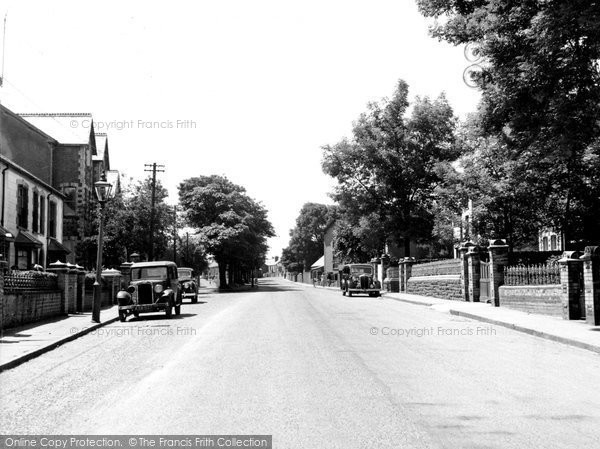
(359,278)
(154,287)
(188,284)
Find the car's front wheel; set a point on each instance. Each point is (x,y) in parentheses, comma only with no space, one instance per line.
(169,310)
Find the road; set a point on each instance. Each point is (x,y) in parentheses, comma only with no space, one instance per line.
(316,370)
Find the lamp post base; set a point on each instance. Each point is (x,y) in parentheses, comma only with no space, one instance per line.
(96,302)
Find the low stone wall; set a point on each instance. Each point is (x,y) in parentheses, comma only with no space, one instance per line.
(442,286)
(439,268)
(539,299)
(27,307)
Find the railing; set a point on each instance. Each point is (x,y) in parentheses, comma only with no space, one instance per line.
(18,281)
(540,274)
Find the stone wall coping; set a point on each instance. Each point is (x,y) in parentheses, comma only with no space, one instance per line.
(439,277)
(530,287)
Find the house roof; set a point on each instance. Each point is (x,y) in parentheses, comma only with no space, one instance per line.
(102,149)
(24,238)
(319,263)
(5,234)
(31,176)
(56,246)
(67,128)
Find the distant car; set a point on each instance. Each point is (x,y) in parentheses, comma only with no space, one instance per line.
(154,287)
(188,284)
(359,278)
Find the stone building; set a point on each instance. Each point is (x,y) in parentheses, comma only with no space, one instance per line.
(31,209)
(72,171)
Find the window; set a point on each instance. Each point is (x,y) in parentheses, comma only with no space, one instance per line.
(22,259)
(545,244)
(22,205)
(36,210)
(553,243)
(52,219)
(42,214)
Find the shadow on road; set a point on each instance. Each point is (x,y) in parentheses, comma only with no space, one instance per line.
(263,286)
(160,316)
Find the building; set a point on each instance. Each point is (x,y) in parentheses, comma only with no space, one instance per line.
(73,173)
(31,209)
(272,268)
(550,240)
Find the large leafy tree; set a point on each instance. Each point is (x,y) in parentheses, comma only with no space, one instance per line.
(230,225)
(540,83)
(127,225)
(306,239)
(388,171)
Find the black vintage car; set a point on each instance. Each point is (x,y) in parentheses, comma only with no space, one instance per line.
(154,287)
(359,278)
(188,284)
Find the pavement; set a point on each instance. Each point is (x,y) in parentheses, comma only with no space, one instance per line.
(23,343)
(570,332)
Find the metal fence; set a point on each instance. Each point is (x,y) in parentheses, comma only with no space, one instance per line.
(18,281)
(540,274)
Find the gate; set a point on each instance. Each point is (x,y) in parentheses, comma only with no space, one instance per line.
(484,282)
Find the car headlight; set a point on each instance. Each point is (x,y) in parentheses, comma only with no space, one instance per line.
(158,288)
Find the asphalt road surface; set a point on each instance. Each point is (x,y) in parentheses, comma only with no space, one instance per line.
(316,370)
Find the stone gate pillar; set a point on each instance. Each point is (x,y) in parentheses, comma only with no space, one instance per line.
(407,263)
(80,288)
(67,284)
(473,261)
(464,269)
(591,284)
(498,250)
(570,271)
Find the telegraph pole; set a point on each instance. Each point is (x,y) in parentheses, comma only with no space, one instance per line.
(153,168)
(175,233)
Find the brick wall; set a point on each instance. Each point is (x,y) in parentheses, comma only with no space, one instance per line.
(442,286)
(539,299)
(28,307)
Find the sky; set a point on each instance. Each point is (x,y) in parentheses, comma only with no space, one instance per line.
(247,89)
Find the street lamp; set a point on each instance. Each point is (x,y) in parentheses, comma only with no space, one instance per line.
(103,189)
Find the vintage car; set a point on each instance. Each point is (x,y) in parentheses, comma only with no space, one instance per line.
(154,287)
(359,278)
(188,284)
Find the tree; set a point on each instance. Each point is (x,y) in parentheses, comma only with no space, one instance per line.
(230,225)
(540,83)
(388,171)
(127,225)
(306,242)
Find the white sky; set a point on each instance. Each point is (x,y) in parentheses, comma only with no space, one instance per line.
(267,82)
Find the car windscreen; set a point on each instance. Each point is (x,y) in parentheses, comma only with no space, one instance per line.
(149,273)
(361,270)
(184,273)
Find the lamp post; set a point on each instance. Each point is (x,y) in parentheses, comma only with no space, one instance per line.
(103,190)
